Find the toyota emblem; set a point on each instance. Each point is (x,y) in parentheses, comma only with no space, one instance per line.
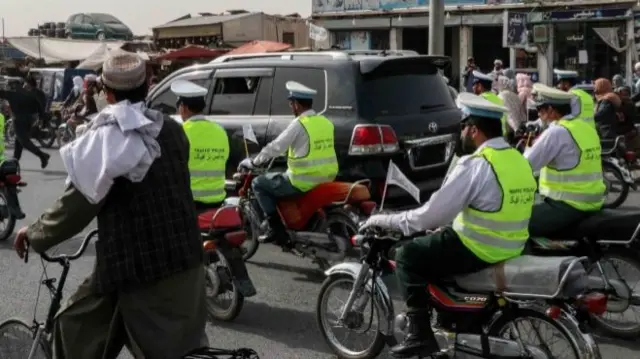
(433,127)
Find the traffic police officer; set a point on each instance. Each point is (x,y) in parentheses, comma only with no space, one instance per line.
(482,84)
(567,154)
(582,105)
(311,159)
(209,146)
(488,196)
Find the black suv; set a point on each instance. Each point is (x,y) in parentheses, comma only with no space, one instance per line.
(384,107)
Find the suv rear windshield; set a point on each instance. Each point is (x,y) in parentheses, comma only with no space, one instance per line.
(401,88)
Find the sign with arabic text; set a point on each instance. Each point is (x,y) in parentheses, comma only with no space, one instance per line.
(587,14)
(514,30)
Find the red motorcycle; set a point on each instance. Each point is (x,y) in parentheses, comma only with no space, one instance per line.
(320,222)
(225,270)
(10,184)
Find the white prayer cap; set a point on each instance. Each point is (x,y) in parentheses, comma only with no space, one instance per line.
(545,95)
(123,71)
(479,76)
(187,89)
(298,91)
(90,78)
(565,74)
(497,62)
(474,105)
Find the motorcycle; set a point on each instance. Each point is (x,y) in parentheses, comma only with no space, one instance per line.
(319,222)
(598,237)
(9,132)
(225,271)
(617,161)
(478,314)
(10,184)
(44,131)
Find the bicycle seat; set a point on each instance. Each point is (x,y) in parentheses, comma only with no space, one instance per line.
(227,218)
(607,224)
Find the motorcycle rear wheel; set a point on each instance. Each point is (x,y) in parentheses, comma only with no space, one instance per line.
(251,223)
(611,255)
(10,220)
(616,201)
(342,227)
(216,284)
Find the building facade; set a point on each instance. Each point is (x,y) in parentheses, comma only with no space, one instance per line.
(232,30)
(595,38)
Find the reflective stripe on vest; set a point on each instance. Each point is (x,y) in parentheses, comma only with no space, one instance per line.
(208,154)
(320,164)
(581,187)
(490,96)
(1,137)
(498,236)
(587,106)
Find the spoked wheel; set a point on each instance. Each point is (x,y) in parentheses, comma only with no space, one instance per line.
(17,340)
(341,227)
(358,335)
(7,220)
(536,329)
(224,300)
(251,223)
(617,190)
(622,318)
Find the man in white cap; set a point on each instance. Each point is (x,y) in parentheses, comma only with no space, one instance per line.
(497,69)
(491,183)
(482,84)
(130,171)
(209,146)
(567,154)
(311,159)
(582,105)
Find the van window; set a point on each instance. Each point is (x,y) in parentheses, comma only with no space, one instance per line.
(312,78)
(166,101)
(235,95)
(404,89)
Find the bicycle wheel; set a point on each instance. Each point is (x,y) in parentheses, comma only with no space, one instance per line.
(17,339)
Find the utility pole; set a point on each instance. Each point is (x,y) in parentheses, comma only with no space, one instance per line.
(436,27)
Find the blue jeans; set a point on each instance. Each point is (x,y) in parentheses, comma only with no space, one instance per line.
(269,187)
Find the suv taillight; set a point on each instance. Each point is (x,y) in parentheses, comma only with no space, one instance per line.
(373,139)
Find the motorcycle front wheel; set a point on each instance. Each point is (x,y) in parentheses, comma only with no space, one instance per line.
(617,190)
(251,224)
(7,220)
(219,282)
(363,322)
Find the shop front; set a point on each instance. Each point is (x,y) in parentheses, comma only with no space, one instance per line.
(593,42)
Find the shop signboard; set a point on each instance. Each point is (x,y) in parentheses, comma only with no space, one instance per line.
(587,14)
(322,6)
(514,30)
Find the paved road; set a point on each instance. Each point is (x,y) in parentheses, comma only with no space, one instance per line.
(279,322)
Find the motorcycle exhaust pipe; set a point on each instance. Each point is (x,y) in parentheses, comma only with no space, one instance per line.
(469,346)
(318,242)
(597,283)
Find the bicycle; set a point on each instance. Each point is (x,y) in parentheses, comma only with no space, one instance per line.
(36,339)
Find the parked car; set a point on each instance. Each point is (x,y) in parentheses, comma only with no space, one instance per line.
(97,26)
(384,107)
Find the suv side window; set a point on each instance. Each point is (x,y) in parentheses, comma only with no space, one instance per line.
(235,95)
(166,101)
(77,19)
(310,77)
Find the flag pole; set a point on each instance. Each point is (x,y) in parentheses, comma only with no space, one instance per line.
(246,147)
(384,194)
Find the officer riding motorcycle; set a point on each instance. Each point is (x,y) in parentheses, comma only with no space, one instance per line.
(567,154)
(482,85)
(209,146)
(489,197)
(311,160)
(582,105)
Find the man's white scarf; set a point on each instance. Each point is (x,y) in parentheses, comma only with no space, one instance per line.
(120,142)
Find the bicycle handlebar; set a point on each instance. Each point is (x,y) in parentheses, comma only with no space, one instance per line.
(64,257)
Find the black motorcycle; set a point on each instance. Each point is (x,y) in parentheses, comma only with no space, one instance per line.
(10,184)
(616,164)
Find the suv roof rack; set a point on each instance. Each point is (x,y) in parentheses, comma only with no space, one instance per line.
(386,52)
(332,53)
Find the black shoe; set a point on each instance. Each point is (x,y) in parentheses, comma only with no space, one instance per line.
(44,160)
(419,341)
(275,231)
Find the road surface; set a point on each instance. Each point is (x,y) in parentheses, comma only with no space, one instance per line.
(279,322)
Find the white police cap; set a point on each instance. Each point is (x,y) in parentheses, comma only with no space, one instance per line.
(187,89)
(477,75)
(545,95)
(565,74)
(474,105)
(298,91)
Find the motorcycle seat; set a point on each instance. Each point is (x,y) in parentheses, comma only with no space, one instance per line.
(607,224)
(527,274)
(227,218)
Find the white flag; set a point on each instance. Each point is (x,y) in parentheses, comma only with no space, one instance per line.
(396,177)
(317,33)
(247,133)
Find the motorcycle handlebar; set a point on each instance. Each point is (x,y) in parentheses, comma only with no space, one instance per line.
(64,257)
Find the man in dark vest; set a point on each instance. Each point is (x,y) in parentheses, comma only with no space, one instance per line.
(148,276)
